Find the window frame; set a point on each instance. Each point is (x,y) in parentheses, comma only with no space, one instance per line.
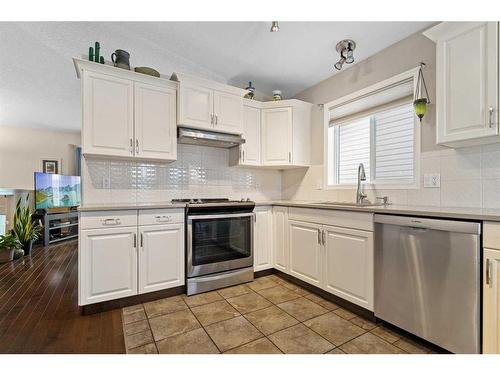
(330,161)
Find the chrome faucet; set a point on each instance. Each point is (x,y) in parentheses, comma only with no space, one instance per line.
(360,196)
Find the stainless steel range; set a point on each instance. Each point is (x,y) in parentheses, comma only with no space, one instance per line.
(219,243)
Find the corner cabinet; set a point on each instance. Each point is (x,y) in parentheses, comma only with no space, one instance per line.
(280,239)
(279,139)
(467,82)
(209,105)
(127,114)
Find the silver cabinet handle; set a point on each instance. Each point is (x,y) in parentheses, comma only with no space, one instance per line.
(135,240)
(131,146)
(212,118)
(136,146)
(323,237)
(490,121)
(319,236)
(142,240)
(290,157)
(488,272)
(243,155)
(111,221)
(163,218)
(216,120)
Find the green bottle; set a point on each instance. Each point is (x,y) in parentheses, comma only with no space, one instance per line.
(97,51)
(91,53)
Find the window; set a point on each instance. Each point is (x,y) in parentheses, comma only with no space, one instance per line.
(383,140)
(375,126)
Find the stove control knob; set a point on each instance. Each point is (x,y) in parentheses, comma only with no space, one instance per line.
(192,200)
(248,199)
(199,201)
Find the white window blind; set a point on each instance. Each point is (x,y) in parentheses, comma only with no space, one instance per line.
(382,140)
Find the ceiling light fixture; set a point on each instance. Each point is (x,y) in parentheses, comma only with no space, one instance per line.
(346,49)
(275,27)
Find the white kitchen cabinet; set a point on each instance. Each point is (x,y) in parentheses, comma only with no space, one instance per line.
(155,122)
(161,257)
(107,264)
(280,240)
(127,114)
(286,134)
(108,115)
(306,252)
(277,136)
(228,112)
(209,105)
(491,301)
(466,82)
(195,106)
(263,238)
(348,265)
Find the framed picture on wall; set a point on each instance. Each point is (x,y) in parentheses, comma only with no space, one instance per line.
(51,166)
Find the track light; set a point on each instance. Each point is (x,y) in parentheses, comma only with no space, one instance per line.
(346,49)
(275,27)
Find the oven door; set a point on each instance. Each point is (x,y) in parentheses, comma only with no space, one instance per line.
(218,243)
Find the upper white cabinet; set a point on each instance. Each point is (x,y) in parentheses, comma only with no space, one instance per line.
(467,82)
(154,108)
(277,136)
(209,105)
(108,115)
(280,139)
(127,114)
(263,238)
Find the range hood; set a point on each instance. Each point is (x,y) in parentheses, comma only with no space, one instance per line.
(208,138)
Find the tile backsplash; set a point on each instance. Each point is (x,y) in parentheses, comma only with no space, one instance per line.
(199,172)
(470,177)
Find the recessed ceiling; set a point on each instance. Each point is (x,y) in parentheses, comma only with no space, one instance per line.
(39,87)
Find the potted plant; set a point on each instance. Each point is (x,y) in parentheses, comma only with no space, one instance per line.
(8,244)
(24,229)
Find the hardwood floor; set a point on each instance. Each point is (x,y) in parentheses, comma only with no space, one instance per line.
(39,307)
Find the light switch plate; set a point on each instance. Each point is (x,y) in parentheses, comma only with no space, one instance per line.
(106,183)
(432,180)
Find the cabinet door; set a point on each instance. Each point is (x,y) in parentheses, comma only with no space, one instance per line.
(263,235)
(277,136)
(491,302)
(228,112)
(305,251)
(155,126)
(348,265)
(250,150)
(467,81)
(195,107)
(161,257)
(107,264)
(280,239)
(108,115)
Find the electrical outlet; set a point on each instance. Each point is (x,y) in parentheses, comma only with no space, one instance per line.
(319,184)
(432,180)
(106,182)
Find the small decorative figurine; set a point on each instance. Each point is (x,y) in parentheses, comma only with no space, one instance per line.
(277,95)
(251,91)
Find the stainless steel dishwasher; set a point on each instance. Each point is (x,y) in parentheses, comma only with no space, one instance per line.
(428,281)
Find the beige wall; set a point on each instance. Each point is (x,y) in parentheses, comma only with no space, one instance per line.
(22,151)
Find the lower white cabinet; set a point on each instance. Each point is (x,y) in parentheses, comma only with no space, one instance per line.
(491,301)
(161,257)
(306,252)
(118,257)
(263,238)
(108,264)
(348,264)
(280,240)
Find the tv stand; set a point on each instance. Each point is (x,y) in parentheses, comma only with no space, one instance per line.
(59,226)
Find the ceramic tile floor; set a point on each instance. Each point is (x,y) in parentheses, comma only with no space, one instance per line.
(267,316)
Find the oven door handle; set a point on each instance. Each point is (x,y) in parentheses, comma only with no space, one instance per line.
(222,216)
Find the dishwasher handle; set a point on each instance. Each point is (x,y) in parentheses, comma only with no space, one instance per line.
(435,224)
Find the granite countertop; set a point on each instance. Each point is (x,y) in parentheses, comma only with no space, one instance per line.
(438,212)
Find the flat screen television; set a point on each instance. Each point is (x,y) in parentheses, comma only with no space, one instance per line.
(54,191)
